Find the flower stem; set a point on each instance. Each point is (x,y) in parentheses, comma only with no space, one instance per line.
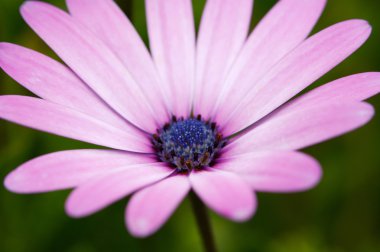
(203,221)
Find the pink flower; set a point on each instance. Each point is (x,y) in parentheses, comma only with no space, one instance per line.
(112,92)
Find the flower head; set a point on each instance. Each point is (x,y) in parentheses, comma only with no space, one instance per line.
(215,113)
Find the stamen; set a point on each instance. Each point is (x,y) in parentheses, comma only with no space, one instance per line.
(188,144)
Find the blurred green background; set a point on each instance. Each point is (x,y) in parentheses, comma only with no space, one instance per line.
(341,214)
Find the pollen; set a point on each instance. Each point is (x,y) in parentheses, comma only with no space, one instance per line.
(188,144)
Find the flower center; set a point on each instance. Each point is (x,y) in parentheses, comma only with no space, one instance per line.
(188,144)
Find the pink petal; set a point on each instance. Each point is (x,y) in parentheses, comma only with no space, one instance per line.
(225,193)
(172,43)
(300,127)
(286,25)
(356,87)
(67,169)
(151,207)
(275,171)
(54,82)
(297,70)
(92,61)
(110,24)
(105,190)
(223,30)
(57,119)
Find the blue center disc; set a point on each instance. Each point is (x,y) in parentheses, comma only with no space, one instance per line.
(188,144)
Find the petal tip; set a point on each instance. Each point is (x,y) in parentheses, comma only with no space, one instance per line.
(9,182)
(243,214)
(315,176)
(364,26)
(360,27)
(312,174)
(140,228)
(29,8)
(28,5)
(13,182)
(246,211)
(367,112)
(73,210)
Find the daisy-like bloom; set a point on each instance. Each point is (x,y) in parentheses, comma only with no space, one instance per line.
(215,113)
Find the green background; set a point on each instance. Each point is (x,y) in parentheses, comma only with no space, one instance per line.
(341,214)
